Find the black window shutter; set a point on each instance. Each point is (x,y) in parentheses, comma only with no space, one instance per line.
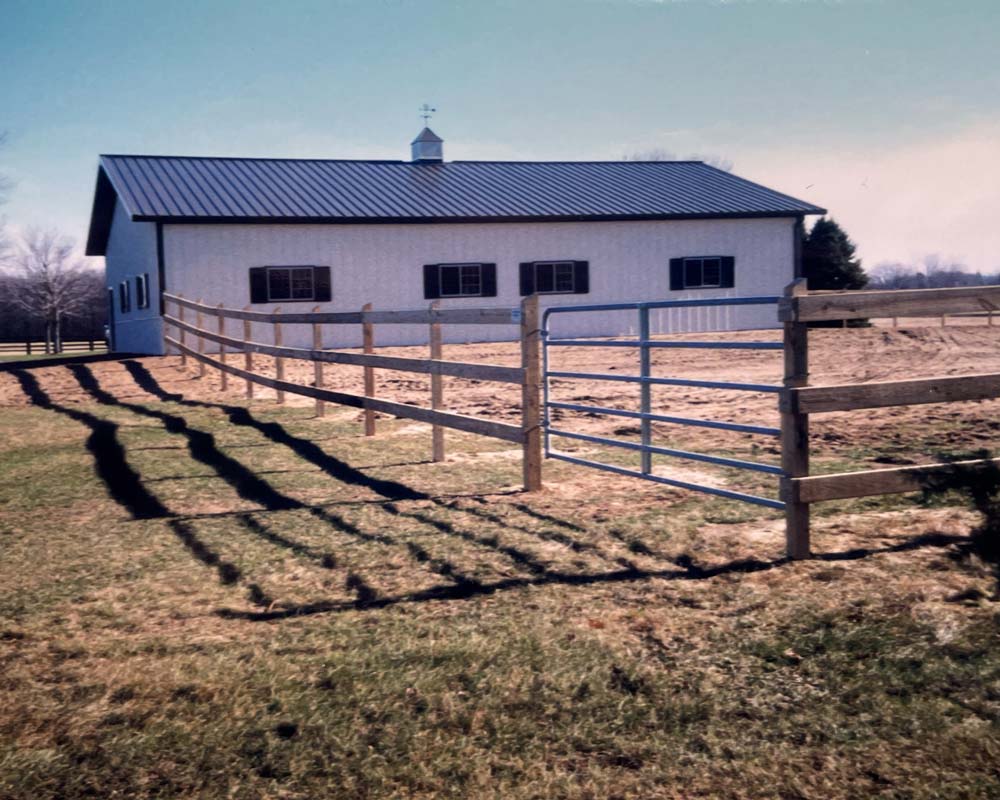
(677,274)
(527,278)
(321,284)
(581,277)
(489,280)
(432,282)
(258,284)
(728,272)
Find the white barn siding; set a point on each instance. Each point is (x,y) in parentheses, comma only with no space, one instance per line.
(383,264)
(132,251)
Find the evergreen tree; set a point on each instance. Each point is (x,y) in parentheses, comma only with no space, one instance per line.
(828,260)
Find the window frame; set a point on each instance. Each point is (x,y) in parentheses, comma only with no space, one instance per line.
(702,285)
(289,269)
(124,297)
(460,266)
(142,291)
(555,282)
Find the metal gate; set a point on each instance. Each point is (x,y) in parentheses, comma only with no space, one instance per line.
(645,344)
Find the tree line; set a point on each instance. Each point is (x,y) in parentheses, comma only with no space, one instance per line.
(46,290)
(829,261)
(47,293)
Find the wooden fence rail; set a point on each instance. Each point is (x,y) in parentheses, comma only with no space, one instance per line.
(31,346)
(798,400)
(528,375)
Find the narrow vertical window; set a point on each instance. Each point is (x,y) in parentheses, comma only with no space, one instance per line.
(142,290)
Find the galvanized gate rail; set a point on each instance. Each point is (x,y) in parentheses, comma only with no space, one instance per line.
(645,344)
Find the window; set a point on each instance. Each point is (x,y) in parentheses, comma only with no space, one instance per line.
(124,297)
(295,284)
(702,272)
(555,277)
(460,280)
(290,283)
(142,290)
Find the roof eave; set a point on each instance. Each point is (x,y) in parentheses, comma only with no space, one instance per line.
(101,214)
(289,220)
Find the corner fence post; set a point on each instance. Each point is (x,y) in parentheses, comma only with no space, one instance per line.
(645,390)
(318,365)
(368,344)
(247,354)
(223,375)
(437,385)
(200,322)
(180,316)
(531,410)
(795,430)
(279,362)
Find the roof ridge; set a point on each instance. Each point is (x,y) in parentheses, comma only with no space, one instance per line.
(259,158)
(392,160)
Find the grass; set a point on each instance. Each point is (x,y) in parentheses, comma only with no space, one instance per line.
(221,600)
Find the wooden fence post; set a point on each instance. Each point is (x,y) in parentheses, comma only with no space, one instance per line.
(247,354)
(279,362)
(437,387)
(318,365)
(531,407)
(180,316)
(990,323)
(223,375)
(795,430)
(200,322)
(368,342)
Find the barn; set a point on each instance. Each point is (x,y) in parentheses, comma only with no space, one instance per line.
(301,233)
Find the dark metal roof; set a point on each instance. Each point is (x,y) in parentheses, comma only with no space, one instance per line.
(427,135)
(201,190)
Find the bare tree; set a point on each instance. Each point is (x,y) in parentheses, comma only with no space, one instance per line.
(661,154)
(5,186)
(51,283)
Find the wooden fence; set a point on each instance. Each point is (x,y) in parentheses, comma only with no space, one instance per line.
(528,375)
(29,346)
(799,400)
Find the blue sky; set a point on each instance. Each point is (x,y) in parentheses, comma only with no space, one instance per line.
(884,111)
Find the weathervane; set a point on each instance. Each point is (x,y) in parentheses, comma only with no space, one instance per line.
(425,112)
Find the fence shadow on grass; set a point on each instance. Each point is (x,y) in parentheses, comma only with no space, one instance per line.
(276,433)
(122,482)
(682,568)
(340,470)
(250,486)
(691,573)
(125,486)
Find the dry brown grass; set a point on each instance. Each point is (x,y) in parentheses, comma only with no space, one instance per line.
(205,599)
